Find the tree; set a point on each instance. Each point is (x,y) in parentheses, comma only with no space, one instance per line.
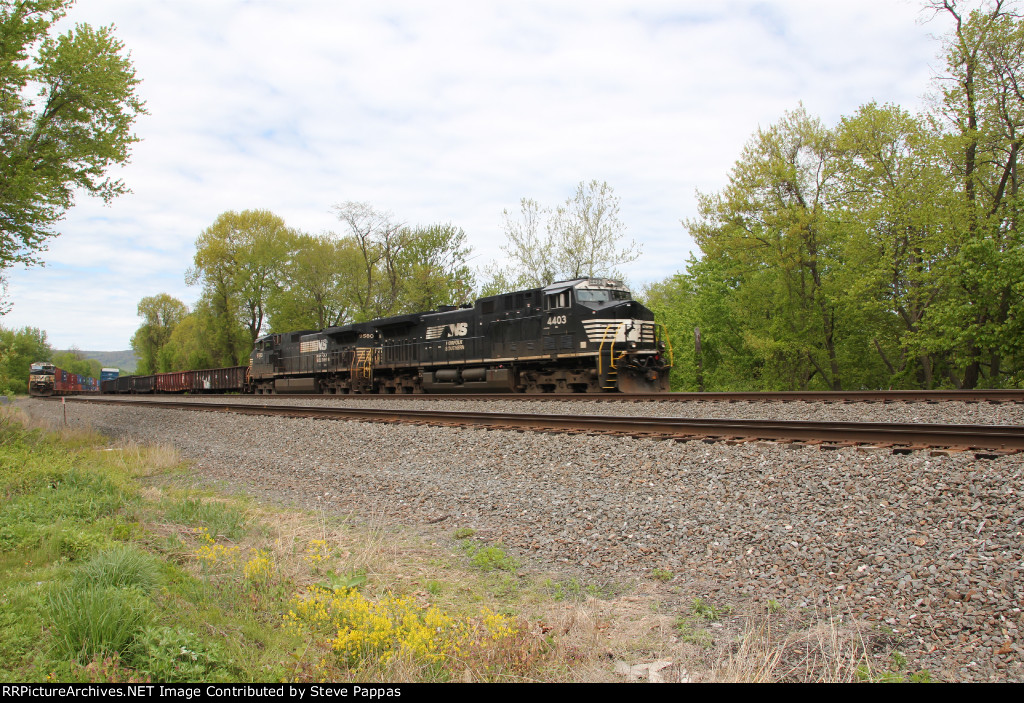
(586,232)
(161,314)
(18,350)
(434,268)
(529,250)
(897,240)
(379,239)
(188,346)
(67,107)
(580,239)
(318,285)
(771,226)
(240,260)
(73,361)
(978,325)
(402,269)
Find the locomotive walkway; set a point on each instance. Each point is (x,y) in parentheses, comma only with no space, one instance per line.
(986,440)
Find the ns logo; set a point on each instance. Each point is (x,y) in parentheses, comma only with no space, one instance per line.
(456,329)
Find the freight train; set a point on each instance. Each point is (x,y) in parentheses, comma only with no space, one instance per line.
(45,379)
(586,336)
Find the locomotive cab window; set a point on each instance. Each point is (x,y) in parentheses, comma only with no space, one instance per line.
(601,296)
(558,300)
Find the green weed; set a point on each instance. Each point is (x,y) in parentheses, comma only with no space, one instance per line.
(220,519)
(705,611)
(175,654)
(690,633)
(121,566)
(661,575)
(354,578)
(489,558)
(95,621)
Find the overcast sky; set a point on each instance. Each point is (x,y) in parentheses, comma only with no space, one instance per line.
(446,112)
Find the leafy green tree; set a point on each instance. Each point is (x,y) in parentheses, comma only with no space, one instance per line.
(188,346)
(897,239)
(239,261)
(771,228)
(978,324)
(319,282)
(705,299)
(883,252)
(67,107)
(401,269)
(161,314)
(380,240)
(18,350)
(435,269)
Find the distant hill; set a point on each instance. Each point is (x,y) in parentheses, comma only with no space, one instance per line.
(126,360)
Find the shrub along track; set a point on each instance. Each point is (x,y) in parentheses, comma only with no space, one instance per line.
(986,440)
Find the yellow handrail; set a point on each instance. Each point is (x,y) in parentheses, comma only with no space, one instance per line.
(366,363)
(611,350)
(668,343)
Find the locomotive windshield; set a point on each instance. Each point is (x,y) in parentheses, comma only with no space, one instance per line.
(584,295)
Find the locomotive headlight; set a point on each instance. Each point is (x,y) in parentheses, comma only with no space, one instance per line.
(632,345)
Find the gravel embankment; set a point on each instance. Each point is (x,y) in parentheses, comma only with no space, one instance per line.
(928,545)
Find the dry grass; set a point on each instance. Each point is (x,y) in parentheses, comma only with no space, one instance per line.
(144,460)
(74,434)
(831,649)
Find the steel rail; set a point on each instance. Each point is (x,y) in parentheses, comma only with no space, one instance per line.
(992,437)
(998,395)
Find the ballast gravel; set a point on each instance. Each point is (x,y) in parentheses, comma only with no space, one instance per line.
(927,545)
(955,412)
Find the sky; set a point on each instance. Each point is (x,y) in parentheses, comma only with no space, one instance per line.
(446,112)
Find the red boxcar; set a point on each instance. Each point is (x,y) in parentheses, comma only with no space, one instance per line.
(205,381)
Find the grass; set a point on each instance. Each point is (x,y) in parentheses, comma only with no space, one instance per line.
(111,569)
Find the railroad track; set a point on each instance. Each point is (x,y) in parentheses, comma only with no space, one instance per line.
(1001,395)
(986,440)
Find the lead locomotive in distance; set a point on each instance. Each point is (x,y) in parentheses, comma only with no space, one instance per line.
(584,335)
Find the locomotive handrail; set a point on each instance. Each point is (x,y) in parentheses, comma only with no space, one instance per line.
(668,342)
(364,360)
(611,350)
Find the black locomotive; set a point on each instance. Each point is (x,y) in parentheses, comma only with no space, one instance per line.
(585,335)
